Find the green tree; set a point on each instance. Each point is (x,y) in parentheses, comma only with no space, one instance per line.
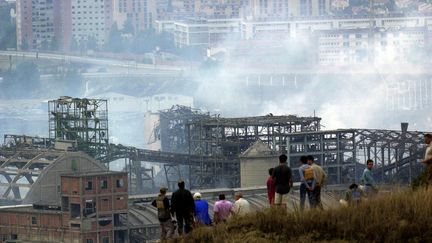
(7,28)
(91,43)
(24,45)
(128,27)
(45,45)
(115,41)
(74,45)
(54,44)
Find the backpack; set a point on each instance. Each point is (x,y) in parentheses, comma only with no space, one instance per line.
(308,174)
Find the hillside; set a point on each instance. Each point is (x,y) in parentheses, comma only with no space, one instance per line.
(398,217)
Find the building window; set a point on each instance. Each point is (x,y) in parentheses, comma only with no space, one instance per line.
(34,220)
(104,184)
(90,207)
(119,183)
(89,241)
(89,185)
(105,240)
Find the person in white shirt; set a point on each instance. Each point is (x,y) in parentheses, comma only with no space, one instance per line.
(241,205)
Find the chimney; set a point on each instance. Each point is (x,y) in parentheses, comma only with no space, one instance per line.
(404,127)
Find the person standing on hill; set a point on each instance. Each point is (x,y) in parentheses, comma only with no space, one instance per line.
(222,209)
(307,183)
(370,187)
(321,177)
(183,206)
(165,218)
(282,177)
(201,210)
(241,205)
(428,157)
(271,187)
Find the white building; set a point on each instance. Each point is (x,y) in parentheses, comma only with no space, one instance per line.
(360,46)
(205,32)
(209,32)
(35,23)
(91,19)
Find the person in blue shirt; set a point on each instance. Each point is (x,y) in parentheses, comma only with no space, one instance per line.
(201,210)
(308,183)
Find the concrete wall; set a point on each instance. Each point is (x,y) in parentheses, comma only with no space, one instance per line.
(254,171)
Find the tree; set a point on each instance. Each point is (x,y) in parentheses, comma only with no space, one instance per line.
(24,45)
(115,41)
(91,43)
(74,45)
(7,29)
(45,45)
(128,27)
(54,44)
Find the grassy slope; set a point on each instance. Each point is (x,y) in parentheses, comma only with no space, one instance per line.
(400,217)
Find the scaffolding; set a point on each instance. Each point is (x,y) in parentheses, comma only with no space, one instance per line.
(343,153)
(225,139)
(83,120)
(24,141)
(172,127)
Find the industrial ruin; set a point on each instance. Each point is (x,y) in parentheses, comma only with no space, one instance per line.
(43,175)
(205,149)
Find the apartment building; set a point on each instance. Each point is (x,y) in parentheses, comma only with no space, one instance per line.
(35,23)
(93,209)
(43,24)
(90,19)
(284,9)
(140,13)
(361,46)
(205,32)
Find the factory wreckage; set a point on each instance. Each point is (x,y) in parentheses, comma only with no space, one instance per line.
(205,150)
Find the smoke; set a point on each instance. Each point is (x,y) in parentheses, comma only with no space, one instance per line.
(258,82)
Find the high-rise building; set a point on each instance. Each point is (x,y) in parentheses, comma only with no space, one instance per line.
(139,13)
(283,9)
(91,19)
(45,24)
(35,24)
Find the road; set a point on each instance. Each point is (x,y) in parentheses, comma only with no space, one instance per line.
(133,65)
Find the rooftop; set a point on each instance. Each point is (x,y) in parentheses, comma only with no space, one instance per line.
(96,173)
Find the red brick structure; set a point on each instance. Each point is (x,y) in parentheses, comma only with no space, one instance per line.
(94,208)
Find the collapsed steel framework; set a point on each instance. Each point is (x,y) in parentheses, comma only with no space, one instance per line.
(343,153)
(224,139)
(209,146)
(83,120)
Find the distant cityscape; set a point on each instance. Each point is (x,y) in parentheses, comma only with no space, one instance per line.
(339,31)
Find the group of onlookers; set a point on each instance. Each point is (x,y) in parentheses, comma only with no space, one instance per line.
(280,182)
(186,211)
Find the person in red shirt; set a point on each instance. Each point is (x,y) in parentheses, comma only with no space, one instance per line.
(271,187)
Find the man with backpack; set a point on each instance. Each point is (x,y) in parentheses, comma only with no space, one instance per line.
(164,215)
(307,183)
(321,177)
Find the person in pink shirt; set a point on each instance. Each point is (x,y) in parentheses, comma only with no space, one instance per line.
(222,209)
(271,187)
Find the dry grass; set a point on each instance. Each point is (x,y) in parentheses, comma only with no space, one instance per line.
(399,217)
